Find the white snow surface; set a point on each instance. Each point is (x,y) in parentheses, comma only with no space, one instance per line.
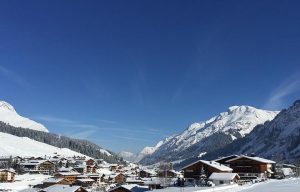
(23,182)
(222,176)
(11,145)
(105,152)
(9,115)
(285,185)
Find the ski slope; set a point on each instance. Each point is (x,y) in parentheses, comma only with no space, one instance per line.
(11,145)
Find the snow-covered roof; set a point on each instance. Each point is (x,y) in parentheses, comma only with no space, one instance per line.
(229,156)
(132,187)
(134,180)
(68,173)
(65,169)
(211,164)
(104,171)
(223,176)
(86,180)
(53,180)
(152,172)
(258,159)
(61,188)
(35,162)
(8,170)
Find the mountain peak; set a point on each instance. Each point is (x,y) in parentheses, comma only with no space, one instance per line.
(6,106)
(241,108)
(232,108)
(9,116)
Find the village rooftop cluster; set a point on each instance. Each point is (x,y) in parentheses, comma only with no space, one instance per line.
(80,174)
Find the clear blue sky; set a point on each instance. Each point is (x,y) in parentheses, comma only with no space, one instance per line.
(125,74)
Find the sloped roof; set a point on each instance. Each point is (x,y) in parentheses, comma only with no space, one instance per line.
(68,173)
(53,180)
(211,164)
(86,180)
(223,176)
(61,188)
(258,159)
(229,156)
(132,188)
(8,170)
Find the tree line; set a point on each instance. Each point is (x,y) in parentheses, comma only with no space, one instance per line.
(81,146)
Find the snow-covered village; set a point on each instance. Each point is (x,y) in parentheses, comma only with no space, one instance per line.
(149,96)
(32,165)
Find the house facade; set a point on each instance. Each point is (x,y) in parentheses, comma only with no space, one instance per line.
(252,167)
(7,175)
(69,177)
(38,166)
(203,169)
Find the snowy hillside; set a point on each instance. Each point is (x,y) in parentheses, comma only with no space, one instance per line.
(11,145)
(278,139)
(128,156)
(212,134)
(9,115)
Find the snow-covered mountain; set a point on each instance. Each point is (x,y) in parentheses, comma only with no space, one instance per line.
(11,145)
(202,137)
(9,115)
(278,139)
(128,156)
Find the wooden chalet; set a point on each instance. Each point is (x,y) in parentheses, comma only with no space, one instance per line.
(87,182)
(115,178)
(224,178)
(96,177)
(129,188)
(64,188)
(91,166)
(53,181)
(7,175)
(252,167)
(38,166)
(203,169)
(69,177)
(168,173)
(146,173)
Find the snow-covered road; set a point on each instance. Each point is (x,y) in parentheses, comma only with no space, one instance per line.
(286,185)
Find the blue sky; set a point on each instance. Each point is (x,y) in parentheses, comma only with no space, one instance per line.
(126,74)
